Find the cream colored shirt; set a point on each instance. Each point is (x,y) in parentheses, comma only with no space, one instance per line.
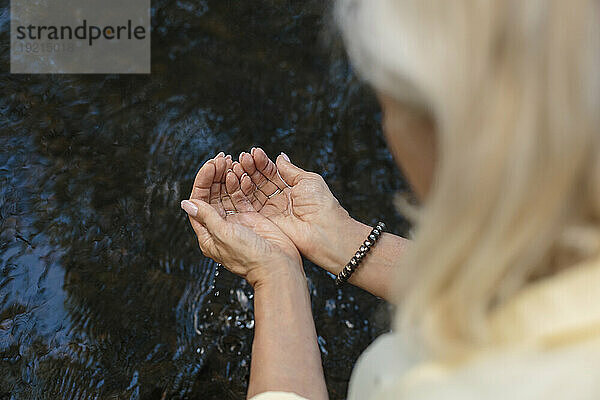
(551,332)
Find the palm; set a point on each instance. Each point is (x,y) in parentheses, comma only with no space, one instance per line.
(250,223)
(252,234)
(300,211)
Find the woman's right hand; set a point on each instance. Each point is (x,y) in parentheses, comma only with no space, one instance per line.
(302,206)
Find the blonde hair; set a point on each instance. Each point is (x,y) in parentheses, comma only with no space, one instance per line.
(514,89)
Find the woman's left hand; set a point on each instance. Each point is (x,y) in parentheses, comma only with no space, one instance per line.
(231,232)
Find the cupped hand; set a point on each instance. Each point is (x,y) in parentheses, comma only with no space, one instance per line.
(231,231)
(298,202)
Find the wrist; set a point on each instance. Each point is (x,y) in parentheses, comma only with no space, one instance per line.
(276,273)
(339,245)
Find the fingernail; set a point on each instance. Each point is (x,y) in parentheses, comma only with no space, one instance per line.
(228,156)
(221,154)
(252,150)
(241,154)
(189,208)
(285,156)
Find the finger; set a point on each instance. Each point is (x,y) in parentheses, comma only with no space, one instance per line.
(288,171)
(215,190)
(248,188)
(203,182)
(248,164)
(228,164)
(202,234)
(228,205)
(220,165)
(262,183)
(267,167)
(239,199)
(238,169)
(206,216)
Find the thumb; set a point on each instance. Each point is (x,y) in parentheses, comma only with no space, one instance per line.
(288,171)
(202,212)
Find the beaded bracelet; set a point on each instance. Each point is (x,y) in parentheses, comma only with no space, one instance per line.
(355,261)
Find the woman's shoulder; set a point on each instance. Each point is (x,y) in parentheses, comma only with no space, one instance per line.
(572,372)
(380,365)
(277,396)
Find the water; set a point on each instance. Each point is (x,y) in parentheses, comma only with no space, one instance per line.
(103,291)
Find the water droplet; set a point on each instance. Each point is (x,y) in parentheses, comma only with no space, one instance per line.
(330,306)
(242,298)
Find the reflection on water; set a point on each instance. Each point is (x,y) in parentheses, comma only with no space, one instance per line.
(103,291)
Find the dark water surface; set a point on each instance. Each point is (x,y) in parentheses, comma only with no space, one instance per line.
(103,291)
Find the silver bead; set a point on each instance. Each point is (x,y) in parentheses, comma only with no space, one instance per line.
(368,243)
(362,249)
(381,226)
(353,261)
(372,237)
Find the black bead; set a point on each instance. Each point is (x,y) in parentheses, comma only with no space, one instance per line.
(362,248)
(372,237)
(368,243)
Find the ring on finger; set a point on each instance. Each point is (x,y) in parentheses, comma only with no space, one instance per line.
(282,180)
(275,193)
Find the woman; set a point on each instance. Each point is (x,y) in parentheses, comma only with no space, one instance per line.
(492,111)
